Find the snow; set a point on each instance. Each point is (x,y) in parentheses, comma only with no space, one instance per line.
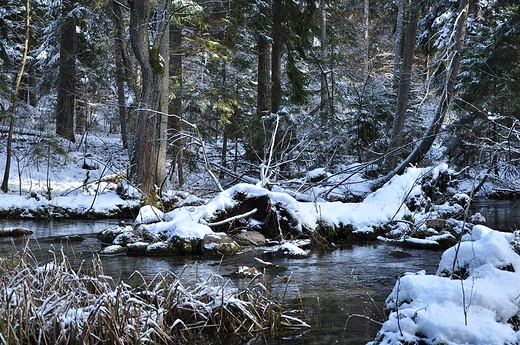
(38,183)
(292,250)
(149,214)
(476,310)
(431,309)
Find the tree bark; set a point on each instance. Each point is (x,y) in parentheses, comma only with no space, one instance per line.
(399,39)
(66,76)
(263,94)
(264,77)
(276,56)
(405,76)
(127,117)
(324,94)
(175,105)
(162,125)
(366,16)
(120,72)
(147,163)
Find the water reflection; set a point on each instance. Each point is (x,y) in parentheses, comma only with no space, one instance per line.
(328,287)
(503,215)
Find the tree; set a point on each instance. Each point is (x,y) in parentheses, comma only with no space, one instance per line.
(175,105)
(264,89)
(279,18)
(14,101)
(399,39)
(454,49)
(148,163)
(326,103)
(488,103)
(405,77)
(67,74)
(124,71)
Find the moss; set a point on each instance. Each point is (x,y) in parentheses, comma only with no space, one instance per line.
(156,61)
(335,233)
(185,246)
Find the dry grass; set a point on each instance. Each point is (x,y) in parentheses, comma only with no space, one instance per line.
(54,303)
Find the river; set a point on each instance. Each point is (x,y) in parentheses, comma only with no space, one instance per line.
(329,287)
(503,215)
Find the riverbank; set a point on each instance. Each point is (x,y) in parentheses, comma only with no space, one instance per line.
(422,208)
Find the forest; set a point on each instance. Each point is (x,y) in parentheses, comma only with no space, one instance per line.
(316,123)
(268,90)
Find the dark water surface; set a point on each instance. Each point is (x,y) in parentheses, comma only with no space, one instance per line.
(329,287)
(503,215)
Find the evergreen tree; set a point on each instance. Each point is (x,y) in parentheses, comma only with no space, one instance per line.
(65,107)
(489,103)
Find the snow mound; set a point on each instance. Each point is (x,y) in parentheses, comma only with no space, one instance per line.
(149,214)
(480,309)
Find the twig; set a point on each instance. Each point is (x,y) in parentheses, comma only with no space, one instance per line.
(232,219)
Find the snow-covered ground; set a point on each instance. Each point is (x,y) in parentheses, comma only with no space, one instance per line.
(480,308)
(48,174)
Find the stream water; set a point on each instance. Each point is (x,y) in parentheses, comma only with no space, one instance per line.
(503,215)
(329,287)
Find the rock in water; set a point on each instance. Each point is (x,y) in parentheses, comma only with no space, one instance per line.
(15,232)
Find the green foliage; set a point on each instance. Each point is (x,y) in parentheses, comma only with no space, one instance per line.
(226,109)
(298,78)
(156,60)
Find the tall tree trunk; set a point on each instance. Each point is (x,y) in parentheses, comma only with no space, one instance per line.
(264,77)
(366,16)
(405,76)
(14,106)
(175,105)
(120,71)
(324,89)
(263,100)
(276,56)
(124,65)
(147,163)
(429,136)
(67,75)
(399,39)
(162,125)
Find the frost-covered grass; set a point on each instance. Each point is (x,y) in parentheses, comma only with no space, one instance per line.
(55,303)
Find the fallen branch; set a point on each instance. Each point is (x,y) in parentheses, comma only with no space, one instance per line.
(232,219)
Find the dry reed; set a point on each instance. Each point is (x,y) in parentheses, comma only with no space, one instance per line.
(54,303)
